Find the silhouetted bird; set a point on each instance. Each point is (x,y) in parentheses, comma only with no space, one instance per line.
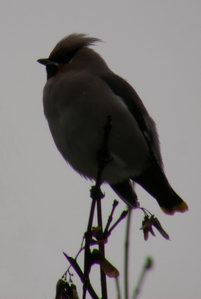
(80,93)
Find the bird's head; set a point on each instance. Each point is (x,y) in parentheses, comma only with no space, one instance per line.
(64,52)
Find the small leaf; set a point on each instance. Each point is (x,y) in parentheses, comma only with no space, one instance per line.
(106,266)
(98,235)
(159,227)
(147,226)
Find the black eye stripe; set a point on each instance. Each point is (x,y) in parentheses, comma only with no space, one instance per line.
(51,70)
(64,58)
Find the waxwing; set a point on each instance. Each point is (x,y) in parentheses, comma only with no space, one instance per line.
(80,94)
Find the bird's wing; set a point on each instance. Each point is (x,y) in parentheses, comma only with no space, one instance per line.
(146,124)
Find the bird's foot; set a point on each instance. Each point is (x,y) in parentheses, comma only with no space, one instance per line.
(96,193)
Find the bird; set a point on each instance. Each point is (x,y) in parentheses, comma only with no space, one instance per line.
(81,92)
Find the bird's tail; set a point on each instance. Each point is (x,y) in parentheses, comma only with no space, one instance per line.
(155,182)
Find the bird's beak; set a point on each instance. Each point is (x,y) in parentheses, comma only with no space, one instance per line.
(47,62)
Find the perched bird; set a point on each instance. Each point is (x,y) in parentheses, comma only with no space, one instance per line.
(80,93)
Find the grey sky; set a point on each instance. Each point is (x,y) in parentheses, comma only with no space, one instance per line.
(44,205)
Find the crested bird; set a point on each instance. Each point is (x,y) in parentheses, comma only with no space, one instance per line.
(80,93)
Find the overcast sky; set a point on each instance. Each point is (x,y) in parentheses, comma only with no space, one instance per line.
(44,204)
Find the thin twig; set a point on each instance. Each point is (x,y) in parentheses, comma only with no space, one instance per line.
(78,253)
(87,249)
(118,288)
(102,162)
(122,216)
(110,218)
(103,154)
(126,255)
(139,285)
(147,266)
(79,272)
(97,195)
(102,250)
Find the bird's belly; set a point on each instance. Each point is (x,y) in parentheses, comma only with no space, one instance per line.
(79,133)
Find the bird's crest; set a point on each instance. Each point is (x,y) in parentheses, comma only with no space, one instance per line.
(69,45)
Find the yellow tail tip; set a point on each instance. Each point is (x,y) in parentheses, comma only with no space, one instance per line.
(182,207)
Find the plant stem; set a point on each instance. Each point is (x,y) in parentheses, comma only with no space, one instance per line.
(139,285)
(87,249)
(97,195)
(126,256)
(118,288)
(102,250)
(147,266)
